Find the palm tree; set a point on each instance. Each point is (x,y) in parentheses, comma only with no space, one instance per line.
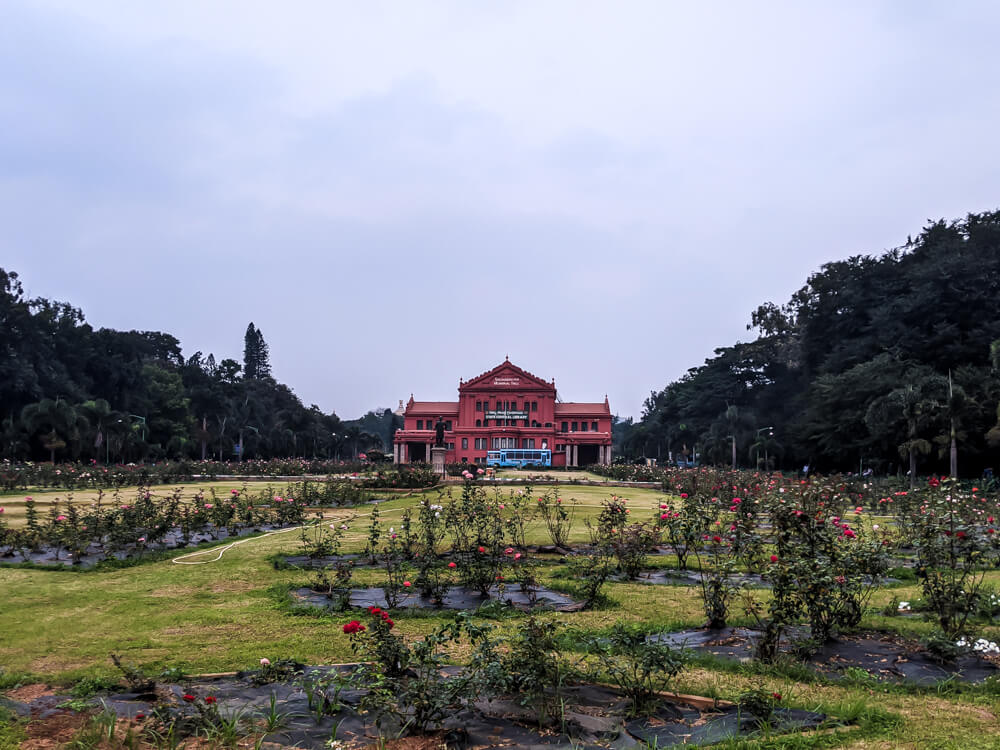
(13,439)
(957,407)
(736,421)
(915,405)
(766,444)
(58,420)
(100,416)
(352,434)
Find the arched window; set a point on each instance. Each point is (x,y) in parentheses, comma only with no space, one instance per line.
(479,423)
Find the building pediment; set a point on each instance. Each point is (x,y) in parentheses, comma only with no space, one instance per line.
(506,376)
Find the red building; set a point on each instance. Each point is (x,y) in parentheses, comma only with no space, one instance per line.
(507,407)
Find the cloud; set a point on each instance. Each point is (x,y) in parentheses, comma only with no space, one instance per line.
(401,195)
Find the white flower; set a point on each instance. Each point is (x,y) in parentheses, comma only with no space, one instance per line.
(874,527)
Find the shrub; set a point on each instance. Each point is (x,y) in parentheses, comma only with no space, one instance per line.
(758,704)
(591,569)
(630,542)
(533,668)
(716,568)
(477,529)
(404,683)
(636,665)
(952,550)
(558,518)
(683,527)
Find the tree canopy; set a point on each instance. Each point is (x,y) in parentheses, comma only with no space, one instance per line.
(68,391)
(886,361)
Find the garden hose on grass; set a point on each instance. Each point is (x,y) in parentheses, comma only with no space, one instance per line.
(222,550)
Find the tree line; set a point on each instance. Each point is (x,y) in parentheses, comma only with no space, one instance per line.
(70,392)
(886,362)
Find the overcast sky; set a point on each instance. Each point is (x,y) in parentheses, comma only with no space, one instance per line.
(400,194)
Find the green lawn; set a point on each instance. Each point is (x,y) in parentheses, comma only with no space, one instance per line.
(560,476)
(225,615)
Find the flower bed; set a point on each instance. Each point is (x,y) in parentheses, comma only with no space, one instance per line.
(322,708)
(454,598)
(884,656)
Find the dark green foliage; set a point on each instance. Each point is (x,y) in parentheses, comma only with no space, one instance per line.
(853,371)
(639,667)
(256,359)
(72,393)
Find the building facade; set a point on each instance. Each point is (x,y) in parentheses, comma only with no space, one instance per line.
(507,407)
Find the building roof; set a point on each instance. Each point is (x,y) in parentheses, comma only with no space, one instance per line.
(579,408)
(509,369)
(433,408)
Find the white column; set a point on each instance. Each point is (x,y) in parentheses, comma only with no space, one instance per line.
(574,455)
(404,457)
(395,453)
(607,455)
(600,454)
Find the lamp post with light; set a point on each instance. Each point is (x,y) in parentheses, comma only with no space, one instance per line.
(770,434)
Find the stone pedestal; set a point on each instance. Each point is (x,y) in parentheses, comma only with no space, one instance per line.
(437,460)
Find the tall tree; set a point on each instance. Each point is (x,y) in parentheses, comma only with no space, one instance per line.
(256,358)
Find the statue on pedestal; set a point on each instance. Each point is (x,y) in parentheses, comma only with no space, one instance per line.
(439,434)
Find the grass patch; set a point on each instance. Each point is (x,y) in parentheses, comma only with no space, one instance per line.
(11,730)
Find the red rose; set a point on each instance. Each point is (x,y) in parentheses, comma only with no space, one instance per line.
(210,699)
(776,696)
(716,539)
(189,698)
(774,558)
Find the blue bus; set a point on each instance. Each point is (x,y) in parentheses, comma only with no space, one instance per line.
(519,457)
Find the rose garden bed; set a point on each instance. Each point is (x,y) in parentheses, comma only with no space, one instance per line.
(883,655)
(315,705)
(455,598)
(96,552)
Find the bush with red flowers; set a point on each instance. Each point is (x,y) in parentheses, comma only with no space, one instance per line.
(630,542)
(684,525)
(407,687)
(476,526)
(953,546)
